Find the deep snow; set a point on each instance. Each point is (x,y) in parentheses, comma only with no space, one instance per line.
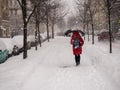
(52,67)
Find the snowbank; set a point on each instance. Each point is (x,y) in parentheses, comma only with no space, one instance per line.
(52,67)
(103,60)
(6,43)
(43,36)
(18,40)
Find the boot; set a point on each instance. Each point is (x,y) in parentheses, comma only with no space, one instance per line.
(77,63)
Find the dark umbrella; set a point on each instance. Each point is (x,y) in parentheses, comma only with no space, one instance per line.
(67,32)
(71,31)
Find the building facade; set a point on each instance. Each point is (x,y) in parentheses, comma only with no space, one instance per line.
(4,19)
(11,20)
(97,8)
(100,16)
(16,19)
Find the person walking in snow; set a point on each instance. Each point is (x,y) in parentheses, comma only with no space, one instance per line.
(77,43)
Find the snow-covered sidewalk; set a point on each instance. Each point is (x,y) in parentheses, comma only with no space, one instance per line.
(52,67)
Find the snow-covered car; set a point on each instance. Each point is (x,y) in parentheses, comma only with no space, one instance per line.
(96,32)
(3,56)
(18,41)
(104,35)
(31,40)
(6,44)
(117,36)
(43,37)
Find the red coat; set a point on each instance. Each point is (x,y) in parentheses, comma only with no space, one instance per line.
(77,51)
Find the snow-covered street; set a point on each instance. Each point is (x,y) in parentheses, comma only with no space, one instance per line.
(52,67)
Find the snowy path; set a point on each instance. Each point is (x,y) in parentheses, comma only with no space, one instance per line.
(51,74)
(52,67)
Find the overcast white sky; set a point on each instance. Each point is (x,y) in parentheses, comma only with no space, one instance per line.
(70,6)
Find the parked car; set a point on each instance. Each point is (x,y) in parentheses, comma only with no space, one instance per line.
(117,36)
(3,56)
(31,40)
(104,35)
(43,37)
(96,32)
(18,41)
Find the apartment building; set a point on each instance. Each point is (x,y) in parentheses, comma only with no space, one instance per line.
(100,16)
(4,19)
(16,19)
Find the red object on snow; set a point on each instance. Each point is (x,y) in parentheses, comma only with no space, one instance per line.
(77,51)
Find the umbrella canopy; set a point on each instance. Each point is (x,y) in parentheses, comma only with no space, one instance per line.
(68,32)
(71,31)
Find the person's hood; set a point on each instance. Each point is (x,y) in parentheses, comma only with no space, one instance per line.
(76,34)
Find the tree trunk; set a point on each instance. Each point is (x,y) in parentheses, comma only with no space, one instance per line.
(92,25)
(88,32)
(84,29)
(36,37)
(109,25)
(25,29)
(52,31)
(25,42)
(36,31)
(92,33)
(39,38)
(47,25)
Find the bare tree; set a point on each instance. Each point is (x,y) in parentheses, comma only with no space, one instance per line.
(53,15)
(92,11)
(56,14)
(71,22)
(81,6)
(61,24)
(38,17)
(26,18)
(45,19)
(109,5)
(86,13)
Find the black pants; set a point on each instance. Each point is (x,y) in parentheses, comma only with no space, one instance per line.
(77,59)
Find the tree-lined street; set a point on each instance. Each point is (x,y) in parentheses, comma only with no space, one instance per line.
(38,39)
(57,71)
